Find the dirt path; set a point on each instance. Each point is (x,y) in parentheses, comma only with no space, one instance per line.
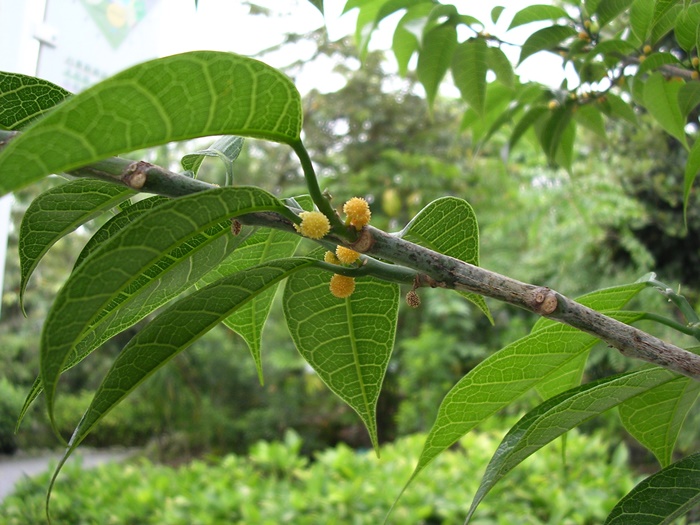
(14,468)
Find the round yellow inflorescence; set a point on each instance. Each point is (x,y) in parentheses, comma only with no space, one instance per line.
(357,211)
(342,286)
(314,224)
(346,255)
(330,257)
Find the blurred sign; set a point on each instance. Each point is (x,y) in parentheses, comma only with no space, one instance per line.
(84,41)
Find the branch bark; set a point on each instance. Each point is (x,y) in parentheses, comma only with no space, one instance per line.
(431,268)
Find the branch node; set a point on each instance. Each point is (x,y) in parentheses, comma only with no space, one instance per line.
(134,175)
(364,242)
(543,300)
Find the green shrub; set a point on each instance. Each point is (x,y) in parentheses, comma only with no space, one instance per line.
(10,405)
(275,485)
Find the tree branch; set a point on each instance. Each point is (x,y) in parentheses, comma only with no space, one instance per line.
(431,268)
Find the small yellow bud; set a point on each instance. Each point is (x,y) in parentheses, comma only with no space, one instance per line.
(587,24)
(342,286)
(346,255)
(642,58)
(330,257)
(553,104)
(695,61)
(647,49)
(584,36)
(314,224)
(357,211)
(695,75)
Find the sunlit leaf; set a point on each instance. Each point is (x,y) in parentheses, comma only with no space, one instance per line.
(469,67)
(560,414)
(24,98)
(535,13)
(545,39)
(496,13)
(503,377)
(146,250)
(661,99)
(665,14)
(655,417)
(607,10)
(435,58)
(641,15)
(656,60)
(348,342)
(59,211)
(686,27)
(174,330)
(661,498)
(174,98)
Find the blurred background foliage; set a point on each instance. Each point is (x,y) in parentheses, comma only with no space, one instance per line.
(615,216)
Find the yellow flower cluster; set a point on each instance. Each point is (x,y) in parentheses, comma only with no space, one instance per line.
(346,255)
(314,224)
(357,211)
(342,286)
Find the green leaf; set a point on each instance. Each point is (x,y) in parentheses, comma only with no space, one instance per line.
(655,61)
(609,9)
(661,99)
(496,13)
(692,168)
(59,211)
(560,414)
(249,320)
(655,417)
(499,63)
(503,377)
(590,117)
(151,296)
(174,330)
(530,118)
(688,98)
(665,14)
(435,58)
(226,148)
(408,33)
(146,250)
(545,39)
(174,98)
(348,342)
(661,498)
(469,67)
(116,223)
(641,15)
(686,27)
(448,225)
(24,98)
(535,13)
(619,108)
(552,130)
(318,4)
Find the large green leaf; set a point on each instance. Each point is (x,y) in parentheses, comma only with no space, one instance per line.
(174,98)
(448,225)
(469,68)
(59,211)
(609,9)
(174,330)
(23,99)
(535,13)
(661,99)
(435,58)
(689,98)
(665,14)
(348,342)
(641,15)
(655,417)
(146,250)
(408,34)
(502,378)
(687,26)
(262,246)
(661,498)
(544,39)
(560,414)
